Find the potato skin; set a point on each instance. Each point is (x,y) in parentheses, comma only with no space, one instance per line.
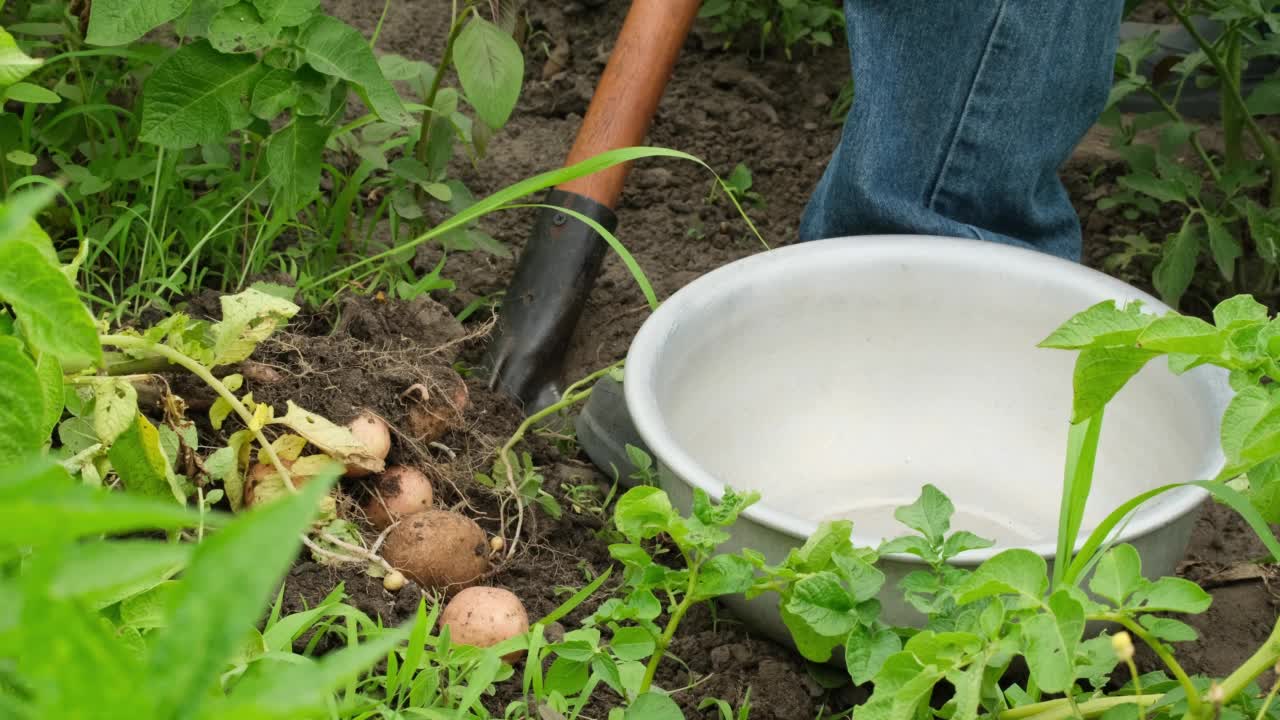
(374,434)
(485,616)
(439,407)
(262,483)
(438,549)
(399,491)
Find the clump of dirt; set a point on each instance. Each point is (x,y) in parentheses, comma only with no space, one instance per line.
(309,582)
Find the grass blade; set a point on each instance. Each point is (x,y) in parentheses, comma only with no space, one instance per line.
(521,189)
(1082,454)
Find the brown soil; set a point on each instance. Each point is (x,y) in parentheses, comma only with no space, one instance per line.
(725,108)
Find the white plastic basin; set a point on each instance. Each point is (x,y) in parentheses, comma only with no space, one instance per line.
(838,377)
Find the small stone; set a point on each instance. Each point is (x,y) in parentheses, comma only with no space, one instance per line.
(811,126)
(650,178)
(820,100)
(765,112)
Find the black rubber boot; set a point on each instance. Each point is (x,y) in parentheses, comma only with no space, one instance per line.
(604,430)
(1173,41)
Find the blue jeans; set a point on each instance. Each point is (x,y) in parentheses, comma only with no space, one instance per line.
(963,112)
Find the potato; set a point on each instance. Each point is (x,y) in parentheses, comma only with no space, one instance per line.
(438,407)
(400,490)
(438,549)
(262,483)
(373,433)
(485,616)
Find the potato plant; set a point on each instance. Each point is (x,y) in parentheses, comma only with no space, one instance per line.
(196,136)
(1226,201)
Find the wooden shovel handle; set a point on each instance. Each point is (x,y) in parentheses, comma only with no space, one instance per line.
(629,90)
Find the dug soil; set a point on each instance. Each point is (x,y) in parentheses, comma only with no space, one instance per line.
(725,107)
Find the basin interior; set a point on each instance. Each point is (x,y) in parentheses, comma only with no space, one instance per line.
(838,384)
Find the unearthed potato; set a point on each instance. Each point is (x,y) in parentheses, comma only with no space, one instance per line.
(438,407)
(373,433)
(400,490)
(484,617)
(262,483)
(438,549)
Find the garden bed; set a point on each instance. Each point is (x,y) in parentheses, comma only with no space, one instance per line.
(726,108)
(252,173)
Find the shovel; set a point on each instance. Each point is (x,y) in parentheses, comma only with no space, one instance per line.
(558,266)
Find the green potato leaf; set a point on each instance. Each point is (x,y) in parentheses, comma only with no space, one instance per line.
(285,13)
(930,515)
(34,94)
(1118,574)
(248,318)
(105,572)
(138,458)
(567,676)
(812,645)
(1177,266)
(1052,639)
(1239,311)
(1182,334)
(276,92)
(339,50)
(40,504)
(653,706)
(643,512)
(21,406)
(632,643)
(491,70)
(822,602)
(1264,490)
(1100,373)
(1247,408)
(1162,189)
(52,393)
(238,29)
(294,155)
(865,651)
(1172,594)
(196,96)
(1169,629)
(115,406)
(47,306)
(1224,247)
(1012,572)
(724,575)
(119,22)
(14,64)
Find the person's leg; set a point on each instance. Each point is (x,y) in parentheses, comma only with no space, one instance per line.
(963,112)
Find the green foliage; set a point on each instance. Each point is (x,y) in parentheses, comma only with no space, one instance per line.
(1115,342)
(1226,201)
(87,608)
(788,22)
(642,515)
(189,163)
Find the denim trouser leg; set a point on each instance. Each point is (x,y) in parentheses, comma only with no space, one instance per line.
(963,112)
